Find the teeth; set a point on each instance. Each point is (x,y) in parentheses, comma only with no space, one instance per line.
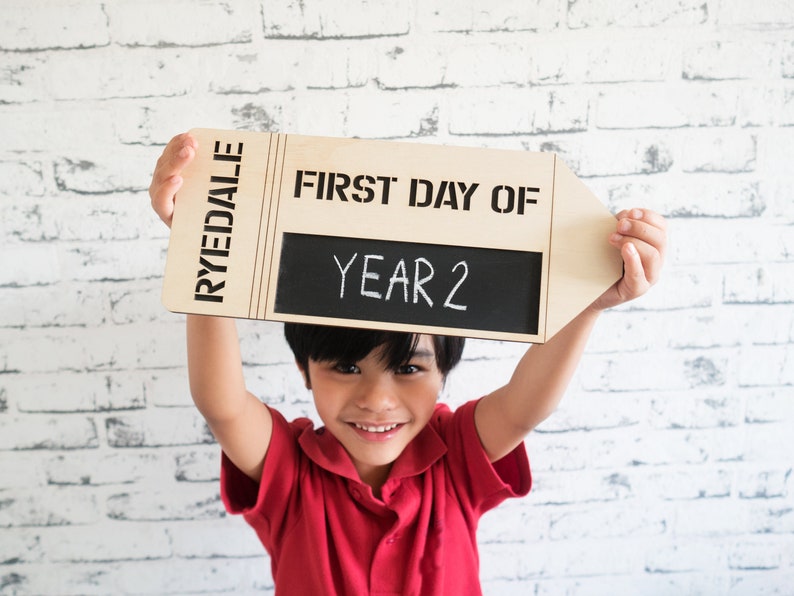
(375,429)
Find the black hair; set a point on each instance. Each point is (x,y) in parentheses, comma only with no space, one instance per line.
(347,345)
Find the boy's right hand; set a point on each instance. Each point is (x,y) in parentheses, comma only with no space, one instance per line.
(167,179)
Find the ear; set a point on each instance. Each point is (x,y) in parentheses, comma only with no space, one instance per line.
(305,374)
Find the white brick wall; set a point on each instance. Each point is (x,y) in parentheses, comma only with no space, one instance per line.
(668,468)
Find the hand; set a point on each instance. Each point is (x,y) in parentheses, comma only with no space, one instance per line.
(167,179)
(641,237)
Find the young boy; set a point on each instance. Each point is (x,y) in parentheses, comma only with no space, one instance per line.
(385,497)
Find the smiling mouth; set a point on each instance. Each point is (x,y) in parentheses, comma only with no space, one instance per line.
(375,429)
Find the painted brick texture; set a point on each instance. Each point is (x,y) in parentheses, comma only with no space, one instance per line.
(666,470)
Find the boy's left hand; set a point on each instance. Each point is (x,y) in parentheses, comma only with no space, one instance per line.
(641,237)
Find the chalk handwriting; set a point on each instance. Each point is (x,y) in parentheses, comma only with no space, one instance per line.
(414,287)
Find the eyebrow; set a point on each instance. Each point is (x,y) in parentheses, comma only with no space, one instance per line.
(422,355)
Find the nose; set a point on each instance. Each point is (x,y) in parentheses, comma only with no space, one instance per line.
(378,394)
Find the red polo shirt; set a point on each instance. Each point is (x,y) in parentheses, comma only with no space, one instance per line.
(326,532)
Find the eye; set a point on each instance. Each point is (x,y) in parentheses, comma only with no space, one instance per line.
(407,369)
(347,369)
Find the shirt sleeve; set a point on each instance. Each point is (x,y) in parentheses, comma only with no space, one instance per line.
(264,505)
(480,484)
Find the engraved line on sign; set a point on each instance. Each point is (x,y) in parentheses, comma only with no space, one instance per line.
(259,234)
(278,169)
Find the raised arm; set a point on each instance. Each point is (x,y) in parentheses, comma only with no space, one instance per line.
(507,415)
(237,419)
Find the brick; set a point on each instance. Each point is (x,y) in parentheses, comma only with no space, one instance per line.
(334,64)
(102,468)
(772,324)
(729,241)
(105,542)
(483,62)
(65,392)
(84,217)
(760,445)
(705,518)
(167,576)
(614,155)
(98,175)
(202,465)
(652,371)
(763,484)
(41,306)
(665,106)
(22,545)
(760,583)
(768,405)
(759,284)
(581,487)
(210,539)
(151,23)
(680,556)
(598,61)
(737,12)
(157,428)
(95,73)
(579,411)
(763,105)
(169,388)
(629,13)
(759,553)
(730,153)
(29,265)
(686,483)
(399,115)
(317,20)
(770,516)
(512,15)
(694,195)
(514,522)
(21,179)
(139,300)
(325,113)
(430,65)
(593,558)
(44,432)
(21,471)
(48,506)
(714,60)
(41,128)
(90,349)
(112,262)
(518,111)
(45,25)
(709,410)
(178,502)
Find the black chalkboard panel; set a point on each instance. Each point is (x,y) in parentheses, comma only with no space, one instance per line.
(406,282)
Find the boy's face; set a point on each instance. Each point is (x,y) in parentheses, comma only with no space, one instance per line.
(373,411)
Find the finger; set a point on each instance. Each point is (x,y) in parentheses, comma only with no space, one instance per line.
(651,259)
(647,215)
(640,230)
(177,154)
(163,198)
(634,282)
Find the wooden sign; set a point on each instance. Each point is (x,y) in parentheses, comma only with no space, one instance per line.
(391,235)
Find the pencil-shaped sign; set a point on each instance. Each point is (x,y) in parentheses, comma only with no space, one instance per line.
(390,235)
